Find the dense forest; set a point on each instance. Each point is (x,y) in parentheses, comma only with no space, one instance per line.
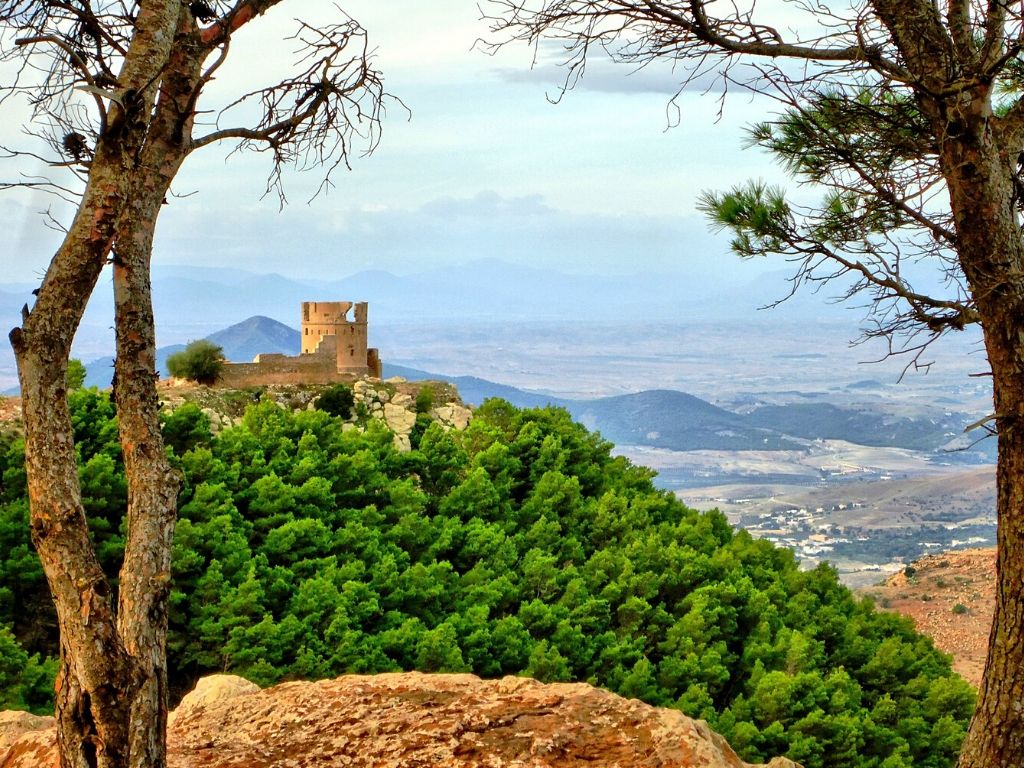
(517,546)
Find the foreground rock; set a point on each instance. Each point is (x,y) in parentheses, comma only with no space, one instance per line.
(412,720)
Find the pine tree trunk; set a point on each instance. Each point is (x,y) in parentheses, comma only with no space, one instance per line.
(979,173)
(108,670)
(97,679)
(996,736)
(152,483)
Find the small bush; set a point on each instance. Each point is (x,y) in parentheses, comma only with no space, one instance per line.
(910,571)
(236,401)
(959,609)
(337,401)
(201,361)
(425,400)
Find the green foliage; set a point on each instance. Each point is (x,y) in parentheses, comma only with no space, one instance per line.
(425,399)
(337,401)
(185,428)
(757,214)
(201,361)
(856,142)
(25,681)
(519,545)
(959,608)
(76,374)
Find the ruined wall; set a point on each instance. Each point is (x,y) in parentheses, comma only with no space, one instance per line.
(283,369)
(320,319)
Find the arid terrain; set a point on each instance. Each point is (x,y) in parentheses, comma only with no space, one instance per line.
(401,720)
(950,597)
(10,409)
(868,511)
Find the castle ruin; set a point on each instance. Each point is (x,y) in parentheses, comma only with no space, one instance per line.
(334,348)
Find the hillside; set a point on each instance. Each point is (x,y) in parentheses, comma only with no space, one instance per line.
(824,421)
(409,720)
(676,420)
(309,546)
(930,590)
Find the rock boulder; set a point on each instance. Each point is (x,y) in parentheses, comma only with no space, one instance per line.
(413,720)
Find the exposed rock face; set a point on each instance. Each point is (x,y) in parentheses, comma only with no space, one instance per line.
(392,401)
(15,725)
(210,691)
(412,720)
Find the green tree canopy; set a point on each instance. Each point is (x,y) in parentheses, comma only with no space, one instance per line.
(201,361)
(519,545)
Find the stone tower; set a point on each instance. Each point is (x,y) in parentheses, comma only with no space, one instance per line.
(328,331)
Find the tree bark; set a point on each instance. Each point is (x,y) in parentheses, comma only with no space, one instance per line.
(152,483)
(979,171)
(152,492)
(100,678)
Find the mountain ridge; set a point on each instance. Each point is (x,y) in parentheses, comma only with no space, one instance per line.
(661,418)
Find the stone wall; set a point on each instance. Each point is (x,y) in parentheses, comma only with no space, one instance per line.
(283,369)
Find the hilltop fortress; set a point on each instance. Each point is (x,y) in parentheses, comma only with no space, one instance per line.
(334,348)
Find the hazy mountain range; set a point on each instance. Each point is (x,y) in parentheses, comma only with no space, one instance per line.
(658,418)
(191,302)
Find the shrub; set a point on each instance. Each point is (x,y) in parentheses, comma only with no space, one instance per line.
(337,401)
(425,400)
(201,361)
(959,608)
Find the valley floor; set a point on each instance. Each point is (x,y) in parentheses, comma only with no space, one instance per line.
(868,511)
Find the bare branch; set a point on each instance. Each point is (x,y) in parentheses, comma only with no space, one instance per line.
(311,119)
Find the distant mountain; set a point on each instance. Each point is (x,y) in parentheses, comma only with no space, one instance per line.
(675,420)
(474,390)
(241,342)
(659,418)
(682,422)
(856,425)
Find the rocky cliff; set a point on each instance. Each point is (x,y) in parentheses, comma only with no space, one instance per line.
(410,720)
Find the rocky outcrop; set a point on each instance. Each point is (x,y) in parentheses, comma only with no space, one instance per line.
(209,692)
(393,401)
(413,720)
(17,727)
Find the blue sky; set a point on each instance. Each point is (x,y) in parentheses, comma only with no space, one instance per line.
(484,166)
